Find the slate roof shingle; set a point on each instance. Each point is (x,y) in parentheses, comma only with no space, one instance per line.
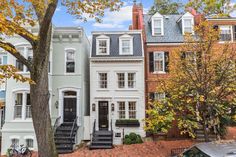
(114,45)
(172,30)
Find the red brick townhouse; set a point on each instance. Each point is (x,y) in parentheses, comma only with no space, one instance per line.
(164,33)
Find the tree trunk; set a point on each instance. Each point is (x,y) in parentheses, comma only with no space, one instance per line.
(40,98)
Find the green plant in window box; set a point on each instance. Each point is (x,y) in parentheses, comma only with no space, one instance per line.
(127,123)
(160,115)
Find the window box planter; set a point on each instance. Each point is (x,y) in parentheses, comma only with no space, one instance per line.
(127,123)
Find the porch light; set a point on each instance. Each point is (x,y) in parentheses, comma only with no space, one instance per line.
(93,107)
(56,104)
(112,107)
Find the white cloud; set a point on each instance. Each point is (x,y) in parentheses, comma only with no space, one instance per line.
(108,25)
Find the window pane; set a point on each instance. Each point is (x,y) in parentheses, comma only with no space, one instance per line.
(19,99)
(28,107)
(121,111)
(70,56)
(159,96)
(30,143)
(102,46)
(15,142)
(19,65)
(131,80)
(18,105)
(121,80)
(132,110)
(159,62)
(188,25)
(125,46)
(157,23)
(103,80)
(70,67)
(225,33)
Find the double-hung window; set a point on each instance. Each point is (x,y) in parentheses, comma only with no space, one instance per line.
(102,80)
(22,106)
(157,27)
(15,142)
(126,80)
(70,61)
(18,105)
(121,80)
(131,80)
(126,45)
(103,45)
(188,26)
(27,52)
(29,143)
(121,110)
(132,110)
(127,110)
(159,62)
(225,33)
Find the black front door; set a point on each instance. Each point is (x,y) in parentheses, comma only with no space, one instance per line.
(69,109)
(103,115)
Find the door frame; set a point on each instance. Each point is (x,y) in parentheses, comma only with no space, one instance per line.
(61,103)
(108,120)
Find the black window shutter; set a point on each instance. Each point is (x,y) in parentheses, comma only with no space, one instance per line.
(151,62)
(235,32)
(166,61)
(151,96)
(183,55)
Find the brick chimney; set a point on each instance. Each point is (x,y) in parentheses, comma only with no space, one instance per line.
(197,16)
(137,17)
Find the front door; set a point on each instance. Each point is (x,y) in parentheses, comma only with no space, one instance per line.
(69,109)
(103,115)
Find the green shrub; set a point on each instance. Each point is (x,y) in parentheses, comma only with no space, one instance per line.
(132,138)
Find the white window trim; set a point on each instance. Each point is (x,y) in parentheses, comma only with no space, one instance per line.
(127,109)
(107,39)
(187,16)
(126,87)
(126,37)
(23,110)
(162,26)
(66,51)
(98,80)
(159,72)
(232,33)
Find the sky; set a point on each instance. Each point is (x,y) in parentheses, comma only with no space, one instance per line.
(111,20)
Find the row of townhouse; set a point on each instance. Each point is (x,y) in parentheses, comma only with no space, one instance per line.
(94,87)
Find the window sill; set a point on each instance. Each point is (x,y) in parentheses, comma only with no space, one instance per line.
(70,74)
(126,89)
(102,54)
(103,90)
(159,72)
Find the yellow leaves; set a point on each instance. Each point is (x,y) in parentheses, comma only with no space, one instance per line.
(9,71)
(201,98)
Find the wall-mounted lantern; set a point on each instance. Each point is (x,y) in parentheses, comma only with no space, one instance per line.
(93,107)
(112,107)
(56,104)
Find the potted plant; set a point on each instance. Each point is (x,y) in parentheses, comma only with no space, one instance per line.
(160,116)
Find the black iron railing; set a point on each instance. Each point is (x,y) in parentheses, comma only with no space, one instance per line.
(72,129)
(56,124)
(111,133)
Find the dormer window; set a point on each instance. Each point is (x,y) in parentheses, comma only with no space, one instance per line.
(157,25)
(187,21)
(126,45)
(188,26)
(103,43)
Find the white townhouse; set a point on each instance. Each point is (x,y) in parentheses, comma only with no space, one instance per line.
(117,101)
(68,87)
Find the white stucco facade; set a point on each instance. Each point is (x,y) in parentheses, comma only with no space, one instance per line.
(20,127)
(113,95)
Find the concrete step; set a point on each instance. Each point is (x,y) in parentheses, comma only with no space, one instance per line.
(100,147)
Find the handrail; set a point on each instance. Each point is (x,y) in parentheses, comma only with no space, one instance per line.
(72,129)
(94,126)
(111,133)
(56,124)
